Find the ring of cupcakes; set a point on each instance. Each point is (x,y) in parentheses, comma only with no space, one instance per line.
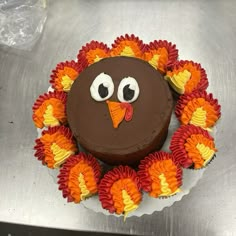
(50,109)
(128,45)
(119,190)
(54,146)
(161,55)
(186,77)
(64,75)
(91,53)
(198,108)
(79,177)
(192,147)
(160,175)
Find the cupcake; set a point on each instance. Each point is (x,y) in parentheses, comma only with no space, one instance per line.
(160,175)
(79,177)
(192,146)
(64,75)
(161,55)
(49,110)
(119,190)
(187,76)
(91,53)
(198,108)
(54,146)
(128,45)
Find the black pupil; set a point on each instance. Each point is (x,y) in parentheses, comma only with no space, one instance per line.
(103,91)
(128,93)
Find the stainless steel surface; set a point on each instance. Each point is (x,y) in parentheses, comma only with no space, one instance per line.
(203,31)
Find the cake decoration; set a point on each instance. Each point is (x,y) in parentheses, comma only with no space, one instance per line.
(116,103)
(119,190)
(102,87)
(160,175)
(161,54)
(91,53)
(54,146)
(119,111)
(187,76)
(64,74)
(49,109)
(128,90)
(79,177)
(128,45)
(198,108)
(192,146)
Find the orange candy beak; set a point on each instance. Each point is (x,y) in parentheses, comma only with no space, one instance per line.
(118,111)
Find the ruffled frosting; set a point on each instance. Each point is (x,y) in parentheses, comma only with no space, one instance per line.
(64,75)
(128,45)
(192,146)
(91,53)
(161,54)
(79,177)
(49,110)
(54,146)
(198,108)
(119,190)
(160,175)
(187,76)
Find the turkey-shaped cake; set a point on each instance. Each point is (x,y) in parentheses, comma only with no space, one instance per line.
(117,103)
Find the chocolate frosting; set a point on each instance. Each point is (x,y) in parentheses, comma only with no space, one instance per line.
(91,123)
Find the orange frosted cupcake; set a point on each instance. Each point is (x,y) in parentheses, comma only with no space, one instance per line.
(187,76)
(54,146)
(119,190)
(49,110)
(198,108)
(64,75)
(128,45)
(160,175)
(79,177)
(91,53)
(161,55)
(192,146)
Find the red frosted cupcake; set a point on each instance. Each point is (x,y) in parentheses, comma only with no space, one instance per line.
(192,146)
(49,110)
(91,53)
(160,175)
(187,76)
(79,177)
(161,54)
(119,190)
(128,45)
(64,75)
(54,146)
(198,108)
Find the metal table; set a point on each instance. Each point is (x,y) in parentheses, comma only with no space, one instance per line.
(203,31)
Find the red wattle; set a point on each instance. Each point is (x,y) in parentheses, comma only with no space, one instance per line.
(129,110)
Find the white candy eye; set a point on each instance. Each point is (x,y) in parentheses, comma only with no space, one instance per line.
(128,90)
(102,87)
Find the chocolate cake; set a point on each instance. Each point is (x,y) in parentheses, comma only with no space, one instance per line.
(91,120)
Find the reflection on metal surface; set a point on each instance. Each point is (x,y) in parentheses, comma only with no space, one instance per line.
(204,31)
